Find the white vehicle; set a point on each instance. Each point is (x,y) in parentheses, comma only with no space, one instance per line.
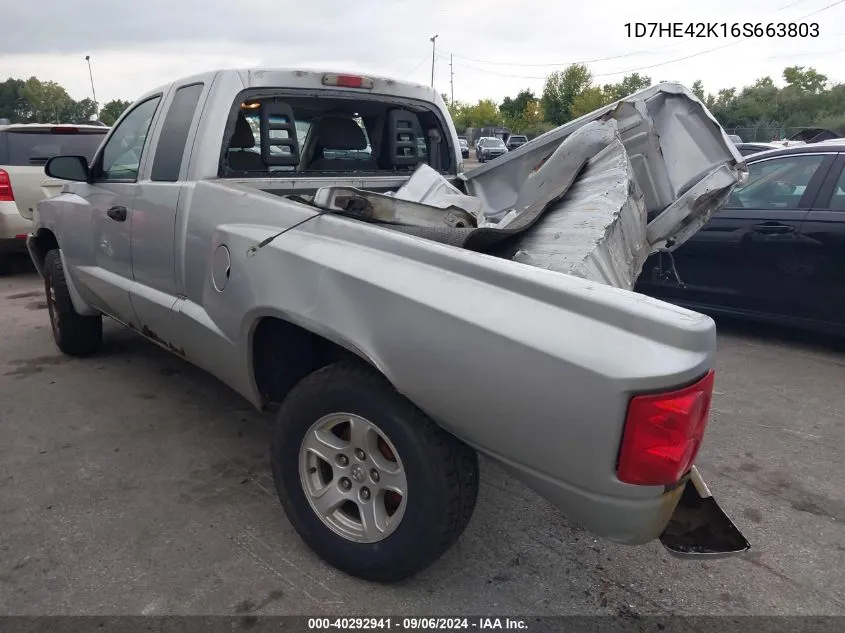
(24,149)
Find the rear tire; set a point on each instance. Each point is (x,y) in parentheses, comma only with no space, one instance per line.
(369,437)
(75,334)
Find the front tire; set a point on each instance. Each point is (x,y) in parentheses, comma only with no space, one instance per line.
(75,334)
(370,483)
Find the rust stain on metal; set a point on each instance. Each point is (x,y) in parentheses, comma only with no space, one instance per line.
(155,337)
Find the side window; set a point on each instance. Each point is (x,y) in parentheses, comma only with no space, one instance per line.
(121,156)
(837,201)
(174,133)
(778,183)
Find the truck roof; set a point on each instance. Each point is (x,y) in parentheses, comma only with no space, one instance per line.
(310,78)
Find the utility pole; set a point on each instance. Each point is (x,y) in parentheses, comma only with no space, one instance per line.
(452,78)
(432,59)
(94,92)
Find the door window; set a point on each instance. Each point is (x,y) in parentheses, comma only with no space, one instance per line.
(121,157)
(837,202)
(778,183)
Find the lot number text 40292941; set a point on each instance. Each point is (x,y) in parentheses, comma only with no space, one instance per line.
(721,29)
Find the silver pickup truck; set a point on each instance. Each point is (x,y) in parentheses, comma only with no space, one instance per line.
(312,240)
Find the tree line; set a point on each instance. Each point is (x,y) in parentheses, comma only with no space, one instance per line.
(34,101)
(807,99)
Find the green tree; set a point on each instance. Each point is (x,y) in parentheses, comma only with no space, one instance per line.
(590,99)
(698,89)
(629,85)
(807,81)
(513,109)
(13,104)
(111,111)
(484,113)
(79,111)
(533,130)
(47,100)
(560,90)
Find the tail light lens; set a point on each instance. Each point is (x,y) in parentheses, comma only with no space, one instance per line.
(663,433)
(6,193)
(348,81)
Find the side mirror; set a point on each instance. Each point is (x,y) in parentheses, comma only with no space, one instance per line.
(67,168)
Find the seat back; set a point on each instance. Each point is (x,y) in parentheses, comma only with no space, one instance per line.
(243,139)
(341,134)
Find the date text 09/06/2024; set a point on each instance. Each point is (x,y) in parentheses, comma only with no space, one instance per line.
(721,29)
(416,624)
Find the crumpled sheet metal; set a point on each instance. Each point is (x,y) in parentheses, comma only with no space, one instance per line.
(427,186)
(598,230)
(673,143)
(546,185)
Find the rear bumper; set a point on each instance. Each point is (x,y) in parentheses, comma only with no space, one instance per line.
(13,228)
(687,521)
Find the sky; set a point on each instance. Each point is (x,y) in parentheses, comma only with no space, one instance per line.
(497,47)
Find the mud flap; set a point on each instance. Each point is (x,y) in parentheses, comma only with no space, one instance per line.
(699,527)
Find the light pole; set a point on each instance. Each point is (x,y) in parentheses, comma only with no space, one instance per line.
(94,92)
(432,60)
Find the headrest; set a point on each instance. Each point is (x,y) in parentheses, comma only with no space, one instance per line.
(340,133)
(242,137)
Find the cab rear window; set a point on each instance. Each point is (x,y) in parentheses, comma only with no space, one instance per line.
(35,147)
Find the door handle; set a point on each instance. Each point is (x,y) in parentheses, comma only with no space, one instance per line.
(773,228)
(117,213)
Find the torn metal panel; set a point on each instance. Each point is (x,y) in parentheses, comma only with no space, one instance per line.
(598,230)
(673,144)
(545,186)
(427,186)
(376,207)
(555,176)
(683,218)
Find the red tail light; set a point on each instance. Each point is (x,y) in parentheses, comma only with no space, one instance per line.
(348,81)
(663,433)
(64,130)
(6,193)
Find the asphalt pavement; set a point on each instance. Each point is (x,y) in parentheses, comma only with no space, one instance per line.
(133,483)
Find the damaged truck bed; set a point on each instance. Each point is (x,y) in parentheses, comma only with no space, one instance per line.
(592,198)
(320,247)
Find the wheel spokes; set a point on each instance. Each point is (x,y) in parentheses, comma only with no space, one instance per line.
(353,477)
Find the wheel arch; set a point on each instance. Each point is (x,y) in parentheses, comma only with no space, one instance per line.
(281,353)
(39,244)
